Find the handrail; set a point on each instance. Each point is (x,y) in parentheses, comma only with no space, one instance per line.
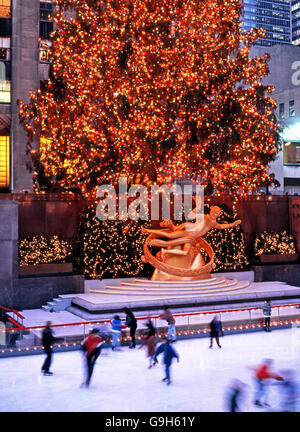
(106,321)
(16,323)
(12,310)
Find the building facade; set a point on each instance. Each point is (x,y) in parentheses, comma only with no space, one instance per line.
(295,11)
(284,74)
(24,34)
(273,16)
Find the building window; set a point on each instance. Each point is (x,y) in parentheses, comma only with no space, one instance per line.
(292,108)
(5,36)
(46,26)
(291,153)
(4,82)
(281,111)
(4,162)
(45,29)
(44,51)
(5,8)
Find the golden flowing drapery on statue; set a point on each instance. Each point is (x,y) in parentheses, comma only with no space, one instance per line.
(180,257)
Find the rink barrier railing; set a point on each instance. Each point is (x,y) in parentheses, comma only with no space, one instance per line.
(14,319)
(16,337)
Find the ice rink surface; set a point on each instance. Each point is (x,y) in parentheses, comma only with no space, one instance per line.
(122,381)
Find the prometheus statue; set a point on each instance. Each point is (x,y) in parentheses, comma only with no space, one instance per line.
(180,255)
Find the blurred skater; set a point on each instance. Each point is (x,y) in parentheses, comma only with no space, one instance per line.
(92,346)
(116,329)
(236,392)
(267,311)
(289,391)
(262,375)
(149,340)
(215,331)
(169,354)
(132,324)
(48,340)
(168,316)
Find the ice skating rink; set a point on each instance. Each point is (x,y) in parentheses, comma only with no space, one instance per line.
(122,381)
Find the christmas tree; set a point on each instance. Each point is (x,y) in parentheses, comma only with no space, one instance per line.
(153,90)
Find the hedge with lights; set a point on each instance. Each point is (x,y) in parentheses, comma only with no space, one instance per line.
(155,91)
(41,250)
(274,243)
(110,248)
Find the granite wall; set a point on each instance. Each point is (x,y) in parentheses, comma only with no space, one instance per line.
(26,292)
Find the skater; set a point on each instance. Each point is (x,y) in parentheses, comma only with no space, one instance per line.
(47,341)
(149,340)
(116,326)
(289,391)
(236,391)
(215,331)
(262,375)
(267,310)
(167,316)
(169,354)
(92,346)
(132,324)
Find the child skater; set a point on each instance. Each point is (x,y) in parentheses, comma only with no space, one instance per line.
(116,329)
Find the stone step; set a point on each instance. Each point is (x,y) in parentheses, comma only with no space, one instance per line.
(150,292)
(58,304)
(57,300)
(51,304)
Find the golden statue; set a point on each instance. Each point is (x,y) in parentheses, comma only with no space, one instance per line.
(180,257)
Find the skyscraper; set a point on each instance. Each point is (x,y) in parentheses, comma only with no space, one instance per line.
(296,22)
(273,16)
(24,66)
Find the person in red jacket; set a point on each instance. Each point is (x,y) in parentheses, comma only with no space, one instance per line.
(92,347)
(262,374)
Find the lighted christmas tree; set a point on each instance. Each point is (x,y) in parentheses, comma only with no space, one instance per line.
(153,90)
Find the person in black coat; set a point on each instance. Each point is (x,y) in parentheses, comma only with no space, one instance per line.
(132,324)
(47,341)
(215,331)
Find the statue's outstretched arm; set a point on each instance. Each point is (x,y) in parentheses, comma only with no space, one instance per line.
(225,226)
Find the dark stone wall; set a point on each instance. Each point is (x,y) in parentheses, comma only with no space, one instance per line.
(294,212)
(33,292)
(8,239)
(27,292)
(289,273)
